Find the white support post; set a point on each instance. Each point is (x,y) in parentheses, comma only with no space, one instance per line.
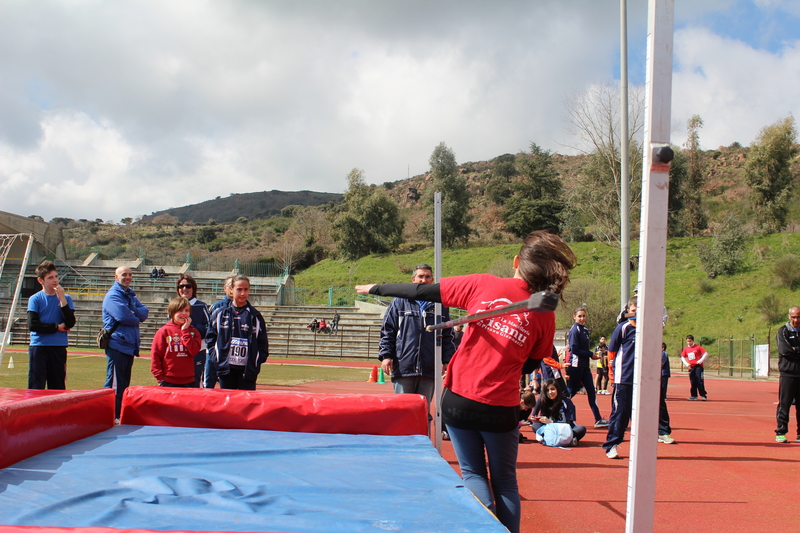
(13,309)
(437,361)
(652,252)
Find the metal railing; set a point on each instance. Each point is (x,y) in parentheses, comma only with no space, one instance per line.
(354,341)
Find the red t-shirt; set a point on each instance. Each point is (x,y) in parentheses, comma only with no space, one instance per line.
(487,365)
(693,354)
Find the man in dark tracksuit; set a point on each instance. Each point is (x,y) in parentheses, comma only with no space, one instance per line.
(788,337)
(406,349)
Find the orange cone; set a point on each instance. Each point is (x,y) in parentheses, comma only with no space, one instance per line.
(373,376)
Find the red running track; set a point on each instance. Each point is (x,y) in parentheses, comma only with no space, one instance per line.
(725,474)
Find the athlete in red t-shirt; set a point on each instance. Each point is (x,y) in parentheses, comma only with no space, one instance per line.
(693,356)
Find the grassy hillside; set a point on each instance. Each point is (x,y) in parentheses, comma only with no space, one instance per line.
(711,308)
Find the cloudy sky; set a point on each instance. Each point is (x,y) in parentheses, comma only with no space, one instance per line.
(112,109)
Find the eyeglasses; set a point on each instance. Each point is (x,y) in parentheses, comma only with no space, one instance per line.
(184,286)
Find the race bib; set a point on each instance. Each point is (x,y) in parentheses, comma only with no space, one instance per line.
(238,353)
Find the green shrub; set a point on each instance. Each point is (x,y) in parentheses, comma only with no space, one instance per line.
(706,341)
(771,308)
(725,254)
(787,270)
(704,286)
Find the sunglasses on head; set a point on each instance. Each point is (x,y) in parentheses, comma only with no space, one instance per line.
(184,286)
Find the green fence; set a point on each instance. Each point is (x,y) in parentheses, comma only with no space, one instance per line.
(731,358)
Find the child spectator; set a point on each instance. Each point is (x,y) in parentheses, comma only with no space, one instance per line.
(237,340)
(621,353)
(557,408)
(577,364)
(664,430)
(174,347)
(601,353)
(50,316)
(694,356)
(527,401)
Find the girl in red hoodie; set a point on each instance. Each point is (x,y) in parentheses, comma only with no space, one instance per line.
(174,347)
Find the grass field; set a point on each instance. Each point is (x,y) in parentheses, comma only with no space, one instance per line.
(89,372)
(721,308)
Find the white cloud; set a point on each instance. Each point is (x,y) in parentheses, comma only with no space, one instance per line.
(115,109)
(736,89)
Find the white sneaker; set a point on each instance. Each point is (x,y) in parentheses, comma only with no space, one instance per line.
(666,439)
(612,453)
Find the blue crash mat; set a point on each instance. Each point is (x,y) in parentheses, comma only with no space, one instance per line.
(167,478)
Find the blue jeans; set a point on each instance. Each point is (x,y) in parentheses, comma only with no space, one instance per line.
(500,494)
(118,374)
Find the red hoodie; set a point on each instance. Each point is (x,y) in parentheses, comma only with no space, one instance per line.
(173,353)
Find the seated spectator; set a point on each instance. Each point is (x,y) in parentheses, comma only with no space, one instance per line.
(313,325)
(557,408)
(161,272)
(154,273)
(322,326)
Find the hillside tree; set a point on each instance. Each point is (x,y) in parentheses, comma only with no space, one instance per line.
(769,175)
(498,189)
(594,120)
(536,202)
(694,217)
(456,215)
(367,222)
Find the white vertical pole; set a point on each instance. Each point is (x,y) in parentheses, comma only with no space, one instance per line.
(17,291)
(625,173)
(437,361)
(652,252)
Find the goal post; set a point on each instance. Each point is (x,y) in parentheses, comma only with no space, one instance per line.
(6,242)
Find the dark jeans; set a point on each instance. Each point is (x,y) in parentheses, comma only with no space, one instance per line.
(696,380)
(788,392)
(583,376)
(235,379)
(118,374)
(48,366)
(663,415)
(181,385)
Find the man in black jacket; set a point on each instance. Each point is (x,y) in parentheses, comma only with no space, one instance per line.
(788,337)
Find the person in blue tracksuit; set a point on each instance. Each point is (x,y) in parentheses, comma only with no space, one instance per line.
(237,340)
(621,356)
(577,366)
(124,312)
(210,372)
(664,429)
(187,288)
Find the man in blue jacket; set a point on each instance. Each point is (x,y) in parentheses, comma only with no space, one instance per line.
(123,312)
(406,349)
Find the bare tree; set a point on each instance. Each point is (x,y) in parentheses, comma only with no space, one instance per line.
(594,121)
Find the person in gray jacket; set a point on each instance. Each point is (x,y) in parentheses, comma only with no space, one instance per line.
(123,313)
